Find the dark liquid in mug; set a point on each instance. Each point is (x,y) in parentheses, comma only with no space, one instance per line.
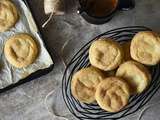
(101,8)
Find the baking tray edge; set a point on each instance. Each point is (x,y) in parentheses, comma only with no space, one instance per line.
(36,74)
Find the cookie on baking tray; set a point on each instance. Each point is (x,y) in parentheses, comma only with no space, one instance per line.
(8,15)
(84,84)
(112,94)
(105,54)
(21,50)
(135,74)
(145,48)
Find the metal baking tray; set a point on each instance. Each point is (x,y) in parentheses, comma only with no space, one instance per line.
(36,74)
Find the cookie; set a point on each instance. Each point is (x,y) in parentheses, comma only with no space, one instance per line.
(136,75)
(8,15)
(105,54)
(145,48)
(21,50)
(126,49)
(84,84)
(112,94)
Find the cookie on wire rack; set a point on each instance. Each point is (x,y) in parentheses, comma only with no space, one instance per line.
(85,82)
(136,75)
(105,54)
(145,48)
(112,94)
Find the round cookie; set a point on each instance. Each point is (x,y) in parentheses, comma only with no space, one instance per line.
(84,84)
(21,50)
(126,49)
(8,15)
(145,48)
(136,75)
(105,54)
(112,94)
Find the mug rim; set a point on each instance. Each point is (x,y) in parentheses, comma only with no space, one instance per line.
(101,17)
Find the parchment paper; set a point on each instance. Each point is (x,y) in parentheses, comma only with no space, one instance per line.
(9,74)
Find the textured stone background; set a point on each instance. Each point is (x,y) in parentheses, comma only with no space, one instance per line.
(26,102)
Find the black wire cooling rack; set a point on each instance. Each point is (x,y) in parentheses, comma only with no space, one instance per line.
(93,111)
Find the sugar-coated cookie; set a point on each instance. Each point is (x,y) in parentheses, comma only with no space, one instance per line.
(136,75)
(84,84)
(8,15)
(112,94)
(145,48)
(126,50)
(21,50)
(105,54)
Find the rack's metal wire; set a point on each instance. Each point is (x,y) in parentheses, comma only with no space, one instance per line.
(93,111)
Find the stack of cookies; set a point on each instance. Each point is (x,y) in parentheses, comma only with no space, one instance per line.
(117,71)
(21,49)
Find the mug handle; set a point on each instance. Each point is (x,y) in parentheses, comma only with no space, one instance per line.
(126,4)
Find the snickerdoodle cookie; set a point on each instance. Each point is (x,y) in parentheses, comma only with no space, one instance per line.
(105,54)
(136,75)
(8,15)
(145,48)
(84,84)
(21,50)
(112,94)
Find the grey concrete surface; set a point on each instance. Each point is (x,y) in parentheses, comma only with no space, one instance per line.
(26,102)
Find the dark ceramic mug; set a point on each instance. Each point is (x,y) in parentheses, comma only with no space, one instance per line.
(121,5)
